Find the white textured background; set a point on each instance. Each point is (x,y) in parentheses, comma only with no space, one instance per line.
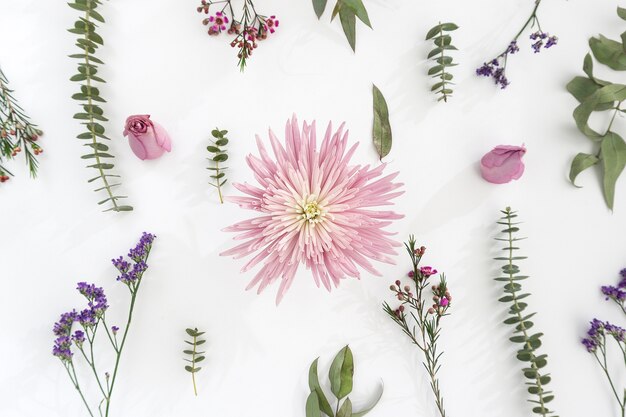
(160,61)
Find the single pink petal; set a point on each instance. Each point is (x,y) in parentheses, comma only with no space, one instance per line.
(503,164)
(137,147)
(162,137)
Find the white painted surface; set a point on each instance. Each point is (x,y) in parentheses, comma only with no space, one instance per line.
(161,62)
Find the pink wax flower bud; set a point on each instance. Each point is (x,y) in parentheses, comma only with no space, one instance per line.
(147,139)
(503,164)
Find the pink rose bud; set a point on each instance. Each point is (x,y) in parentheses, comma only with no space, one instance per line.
(147,139)
(503,164)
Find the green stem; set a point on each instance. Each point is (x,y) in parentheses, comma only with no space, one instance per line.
(604,366)
(533,15)
(219,187)
(91,121)
(528,346)
(74,380)
(193,363)
(443,69)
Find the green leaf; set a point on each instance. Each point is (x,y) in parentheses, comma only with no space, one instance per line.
(199,359)
(220,157)
(588,69)
(314,385)
(188,352)
(613,155)
(621,12)
(608,52)
(213,149)
(191,332)
(189,368)
(381,131)
(319,6)
(77,6)
(221,142)
(341,373)
(348,23)
(358,9)
(433,31)
(312,406)
(607,94)
(346,409)
(372,405)
(581,162)
(449,27)
(581,88)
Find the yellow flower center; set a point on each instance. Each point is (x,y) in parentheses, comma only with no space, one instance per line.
(310,210)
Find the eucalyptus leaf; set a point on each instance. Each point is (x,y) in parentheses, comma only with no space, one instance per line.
(581,162)
(314,385)
(608,52)
(341,373)
(346,409)
(613,154)
(348,23)
(381,131)
(312,406)
(359,10)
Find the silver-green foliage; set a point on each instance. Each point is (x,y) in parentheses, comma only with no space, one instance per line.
(518,317)
(443,44)
(341,376)
(348,11)
(218,151)
(91,114)
(596,95)
(195,356)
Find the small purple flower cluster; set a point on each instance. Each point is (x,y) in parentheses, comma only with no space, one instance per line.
(617,294)
(132,273)
(598,331)
(96,304)
(539,37)
(63,343)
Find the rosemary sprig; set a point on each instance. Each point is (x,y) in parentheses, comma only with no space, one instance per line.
(92,114)
(537,380)
(194,354)
(218,150)
(17,133)
(425,320)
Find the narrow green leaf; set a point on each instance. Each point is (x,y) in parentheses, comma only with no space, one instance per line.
(319,6)
(613,154)
(341,373)
(348,23)
(381,131)
(314,385)
(312,408)
(346,409)
(581,162)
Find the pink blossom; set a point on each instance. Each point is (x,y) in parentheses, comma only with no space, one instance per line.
(271,23)
(428,271)
(218,22)
(147,139)
(503,164)
(314,209)
(444,302)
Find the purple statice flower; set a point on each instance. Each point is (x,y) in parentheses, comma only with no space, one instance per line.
(78,337)
(500,78)
(615,331)
(63,327)
(62,348)
(614,293)
(539,35)
(97,303)
(486,70)
(552,40)
(512,48)
(494,70)
(596,335)
(537,46)
(115,329)
(131,274)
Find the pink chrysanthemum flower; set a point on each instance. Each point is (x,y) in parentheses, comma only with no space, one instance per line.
(315,209)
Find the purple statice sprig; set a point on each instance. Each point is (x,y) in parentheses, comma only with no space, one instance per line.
(89,320)
(596,343)
(496,68)
(617,293)
(420,312)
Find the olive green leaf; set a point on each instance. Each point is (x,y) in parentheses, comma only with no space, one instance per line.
(346,409)
(608,94)
(608,52)
(613,154)
(581,162)
(442,61)
(312,406)
(341,373)
(359,10)
(319,6)
(348,23)
(314,385)
(381,131)
(621,12)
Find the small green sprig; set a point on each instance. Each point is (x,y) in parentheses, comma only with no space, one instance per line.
(443,43)
(596,95)
(341,376)
(530,343)
(195,356)
(17,132)
(218,151)
(420,321)
(348,11)
(92,115)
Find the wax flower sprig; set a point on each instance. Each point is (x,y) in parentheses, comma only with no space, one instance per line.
(17,133)
(601,332)
(420,321)
(92,322)
(248,28)
(496,67)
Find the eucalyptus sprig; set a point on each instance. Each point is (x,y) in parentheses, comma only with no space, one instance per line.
(341,376)
(218,150)
(17,133)
(443,43)
(195,356)
(596,95)
(422,323)
(348,11)
(92,115)
(530,343)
